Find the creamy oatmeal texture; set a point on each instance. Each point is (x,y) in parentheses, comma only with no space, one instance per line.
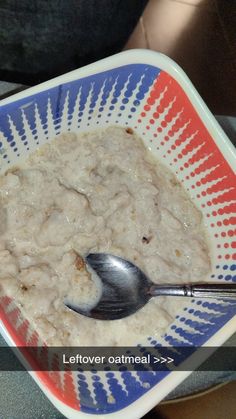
(100,191)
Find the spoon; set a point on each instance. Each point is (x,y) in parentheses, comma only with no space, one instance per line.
(126,289)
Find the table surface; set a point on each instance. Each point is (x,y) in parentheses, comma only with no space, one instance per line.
(20,396)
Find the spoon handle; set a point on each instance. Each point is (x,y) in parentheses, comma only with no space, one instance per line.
(195,290)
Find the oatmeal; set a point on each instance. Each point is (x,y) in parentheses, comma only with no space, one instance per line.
(97,192)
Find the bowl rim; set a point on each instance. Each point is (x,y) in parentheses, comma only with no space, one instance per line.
(139,56)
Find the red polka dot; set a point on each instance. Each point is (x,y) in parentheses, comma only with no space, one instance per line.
(147,108)
(143,114)
(219,223)
(150,101)
(159,129)
(151,121)
(227,256)
(233,245)
(226,245)
(147,127)
(216,235)
(223,234)
(156,115)
(234,256)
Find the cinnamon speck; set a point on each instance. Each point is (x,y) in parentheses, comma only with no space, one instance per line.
(177,252)
(79,263)
(146,240)
(129,130)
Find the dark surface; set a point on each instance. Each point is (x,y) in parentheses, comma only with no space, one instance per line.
(41,39)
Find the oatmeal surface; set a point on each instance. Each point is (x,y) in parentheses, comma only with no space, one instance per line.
(97,192)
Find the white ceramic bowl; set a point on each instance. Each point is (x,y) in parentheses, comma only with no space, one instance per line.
(151,94)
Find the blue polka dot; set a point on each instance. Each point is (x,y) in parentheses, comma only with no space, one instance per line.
(233,267)
(217,266)
(125,100)
(133,109)
(140,96)
(111,108)
(220,276)
(101,109)
(136,103)
(225,267)
(122,107)
(234,278)
(228,277)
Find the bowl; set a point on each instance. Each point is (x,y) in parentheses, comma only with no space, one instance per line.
(151,94)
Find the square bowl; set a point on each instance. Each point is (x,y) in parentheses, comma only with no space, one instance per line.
(151,94)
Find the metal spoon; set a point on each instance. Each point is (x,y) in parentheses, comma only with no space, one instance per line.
(126,289)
